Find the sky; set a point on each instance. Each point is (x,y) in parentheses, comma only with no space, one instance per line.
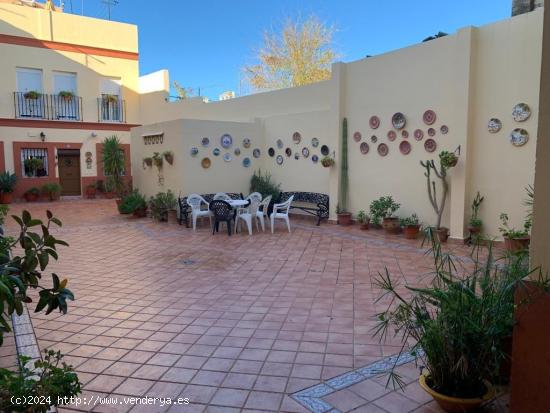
(205,43)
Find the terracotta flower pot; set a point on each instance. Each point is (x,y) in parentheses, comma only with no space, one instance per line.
(411,231)
(6,197)
(140,213)
(364,226)
(344,218)
(109,195)
(90,193)
(517,244)
(474,230)
(172,216)
(442,234)
(456,404)
(391,225)
(31,197)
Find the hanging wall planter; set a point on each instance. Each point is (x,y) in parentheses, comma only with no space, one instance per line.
(169,157)
(327,161)
(157,160)
(147,162)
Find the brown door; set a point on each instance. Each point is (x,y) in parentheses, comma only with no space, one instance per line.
(69,174)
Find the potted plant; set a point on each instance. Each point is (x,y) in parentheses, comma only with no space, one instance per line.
(455,326)
(32,165)
(515,240)
(384,208)
(168,156)
(32,95)
(91,191)
(363,219)
(411,226)
(110,98)
(343,217)
(327,161)
(160,204)
(446,160)
(134,203)
(7,186)
(147,162)
(52,190)
(66,95)
(342,213)
(475,223)
(113,165)
(157,160)
(32,194)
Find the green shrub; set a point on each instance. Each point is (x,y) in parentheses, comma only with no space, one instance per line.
(264,185)
(132,202)
(7,182)
(383,207)
(113,165)
(52,189)
(3,213)
(161,203)
(33,190)
(411,221)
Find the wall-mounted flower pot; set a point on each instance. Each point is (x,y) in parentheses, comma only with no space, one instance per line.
(442,234)
(6,197)
(344,218)
(391,225)
(169,158)
(517,244)
(411,231)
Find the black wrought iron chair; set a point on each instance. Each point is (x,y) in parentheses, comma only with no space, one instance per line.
(222,212)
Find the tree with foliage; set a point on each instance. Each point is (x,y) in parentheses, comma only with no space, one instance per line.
(300,54)
(183,92)
(113,164)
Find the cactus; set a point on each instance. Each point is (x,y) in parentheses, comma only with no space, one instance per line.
(344,184)
(441,173)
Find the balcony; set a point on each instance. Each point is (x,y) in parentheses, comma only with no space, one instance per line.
(111,108)
(30,105)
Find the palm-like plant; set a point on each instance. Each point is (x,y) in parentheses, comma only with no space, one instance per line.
(113,164)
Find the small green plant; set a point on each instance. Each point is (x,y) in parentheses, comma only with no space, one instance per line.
(32,94)
(161,203)
(110,98)
(132,202)
(411,221)
(383,207)
(50,381)
(32,165)
(3,213)
(511,233)
(52,189)
(448,159)
(157,160)
(66,94)
(362,217)
(263,184)
(7,182)
(475,221)
(33,191)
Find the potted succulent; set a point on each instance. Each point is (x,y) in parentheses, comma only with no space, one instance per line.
(66,95)
(91,191)
(363,219)
(475,223)
(7,186)
(32,95)
(515,240)
(384,208)
(411,226)
(168,157)
(327,161)
(147,162)
(52,190)
(134,203)
(446,160)
(32,194)
(160,204)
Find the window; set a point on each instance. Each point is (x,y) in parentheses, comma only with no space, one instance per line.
(65,102)
(30,102)
(110,102)
(34,162)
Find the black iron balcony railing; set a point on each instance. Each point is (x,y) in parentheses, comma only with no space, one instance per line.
(32,105)
(111,108)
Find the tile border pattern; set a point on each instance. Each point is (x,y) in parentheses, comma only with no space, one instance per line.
(311,397)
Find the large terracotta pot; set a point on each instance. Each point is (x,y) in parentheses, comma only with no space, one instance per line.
(411,231)
(6,197)
(365,225)
(140,213)
(344,218)
(517,244)
(456,404)
(31,197)
(172,216)
(442,234)
(391,225)
(90,192)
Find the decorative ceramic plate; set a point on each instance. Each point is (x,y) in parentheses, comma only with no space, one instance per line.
(256,153)
(315,142)
(404,134)
(374,139)
(296,137)
(494,125)
(237,151)
(405,147)
(521,112)
(288,151)
(374,122)
(357,136)
(430,145)
(314,159)
(429,117)
(383,149)
(519,137)
(392,135)
(194,151)
(227,157)
(271,152)
(444,129)
(305,152)
(226,141)
(418,134)
(279,144)
(246,162)
(216,151)
(205,163)
(431,132)
(279,159)
(205,142)
(246,142)
(296,155)
(398,120)
(324,150)
(364,148)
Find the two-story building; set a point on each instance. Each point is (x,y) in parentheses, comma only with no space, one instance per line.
(67,82)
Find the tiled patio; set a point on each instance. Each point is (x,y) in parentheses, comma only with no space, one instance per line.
(233,324)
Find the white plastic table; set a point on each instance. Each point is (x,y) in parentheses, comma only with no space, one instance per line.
(236,203)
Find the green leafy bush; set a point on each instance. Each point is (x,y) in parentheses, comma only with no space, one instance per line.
(33,190)
(362,217)
(132,202)
(161,203)
(383,207)
(264,185)
(411,221)
(52,189)
(7,182)
(47,382)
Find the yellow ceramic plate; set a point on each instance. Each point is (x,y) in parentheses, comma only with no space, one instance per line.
(206,163)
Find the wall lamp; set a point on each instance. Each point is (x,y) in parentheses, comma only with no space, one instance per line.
(42,136)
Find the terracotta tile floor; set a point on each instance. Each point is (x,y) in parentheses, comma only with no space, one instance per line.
(233,324)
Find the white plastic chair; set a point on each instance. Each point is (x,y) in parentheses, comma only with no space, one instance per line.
(254,195)
(281,211)
(247,215)
(196,201)
(262,212)
(222,196)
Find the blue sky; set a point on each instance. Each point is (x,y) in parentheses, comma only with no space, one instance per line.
(206,43)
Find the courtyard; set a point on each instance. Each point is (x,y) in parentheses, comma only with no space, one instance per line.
(241,323)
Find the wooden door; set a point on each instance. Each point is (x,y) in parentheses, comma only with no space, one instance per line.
(69,174)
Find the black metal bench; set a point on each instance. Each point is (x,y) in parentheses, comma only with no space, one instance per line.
(185,209)
(312,203)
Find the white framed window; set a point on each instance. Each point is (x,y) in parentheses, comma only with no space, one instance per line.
(34,162)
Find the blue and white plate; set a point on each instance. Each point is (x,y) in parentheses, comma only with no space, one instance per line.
(216,152)
(246,162)
(246,142)
(205,141)
(256,153)
(227,157)
(314,159)
(226,141)
(279,159)
(194,151)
